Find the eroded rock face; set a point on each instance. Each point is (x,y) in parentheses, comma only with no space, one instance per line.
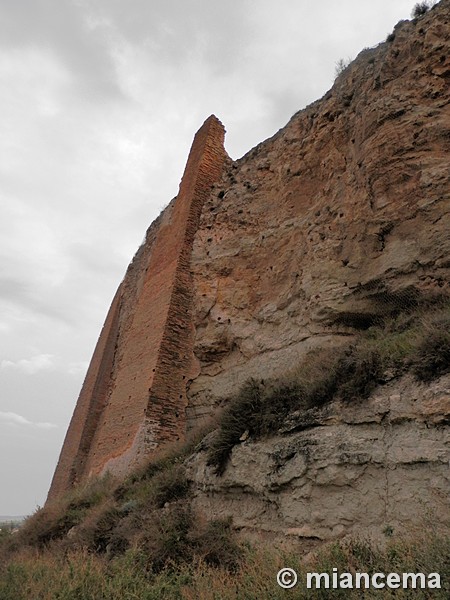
(369,467)
(340,218)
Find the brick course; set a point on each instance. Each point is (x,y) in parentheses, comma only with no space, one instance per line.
(134,395)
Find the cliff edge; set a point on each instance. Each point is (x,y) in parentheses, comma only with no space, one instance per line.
(330,235)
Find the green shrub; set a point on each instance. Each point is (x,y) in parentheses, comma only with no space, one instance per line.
(170,485)
(164,461)
(341,65)
(255,411)
(217,547)
(55,520)
(166,541)
(243,413)
(100,532)
(5,530)
(359,373)
(48,524)
(176,535)
(432,357)
(260,410)
(420,9)
(93,493)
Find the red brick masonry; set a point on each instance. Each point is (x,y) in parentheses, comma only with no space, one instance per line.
(134,395)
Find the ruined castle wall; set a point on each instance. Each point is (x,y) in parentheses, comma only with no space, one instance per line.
(168,400)
(338,222)
(140,369)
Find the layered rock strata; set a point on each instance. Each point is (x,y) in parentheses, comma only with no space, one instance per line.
(369,468)
(340,220)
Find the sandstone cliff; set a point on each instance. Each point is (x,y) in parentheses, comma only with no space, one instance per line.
(337,224)
(369,468)
(342,218)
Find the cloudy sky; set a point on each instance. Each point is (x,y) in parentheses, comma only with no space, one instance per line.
(99,102)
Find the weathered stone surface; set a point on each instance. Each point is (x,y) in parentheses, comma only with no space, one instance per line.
(339,219)
(342,216)
(384,462)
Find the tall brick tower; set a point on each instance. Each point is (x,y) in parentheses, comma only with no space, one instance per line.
(134,396)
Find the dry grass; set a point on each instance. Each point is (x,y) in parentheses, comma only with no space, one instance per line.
(140,538)
(55,520)
(431,358)
(417,341)
(81,576)
(149,514)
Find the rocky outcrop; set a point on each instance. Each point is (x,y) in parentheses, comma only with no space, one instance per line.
(341,218)
(339,221)
(366,468)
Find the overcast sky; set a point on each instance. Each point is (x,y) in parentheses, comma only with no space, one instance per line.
(99,102)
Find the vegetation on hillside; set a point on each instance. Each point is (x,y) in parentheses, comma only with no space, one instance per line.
(416,342)
(421,8)
(82,575)
(142,538)
(148,514)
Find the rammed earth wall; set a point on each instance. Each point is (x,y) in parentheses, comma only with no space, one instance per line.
(134,394)
(337,223)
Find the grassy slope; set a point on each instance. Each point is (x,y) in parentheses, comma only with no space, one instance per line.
(139,538)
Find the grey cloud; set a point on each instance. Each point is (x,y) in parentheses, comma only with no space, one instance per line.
(17,293)
(59,25)
(43,363)
(30,366)
(12,418)
(11,288)
(86,35)
(174,32)
(94,259)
